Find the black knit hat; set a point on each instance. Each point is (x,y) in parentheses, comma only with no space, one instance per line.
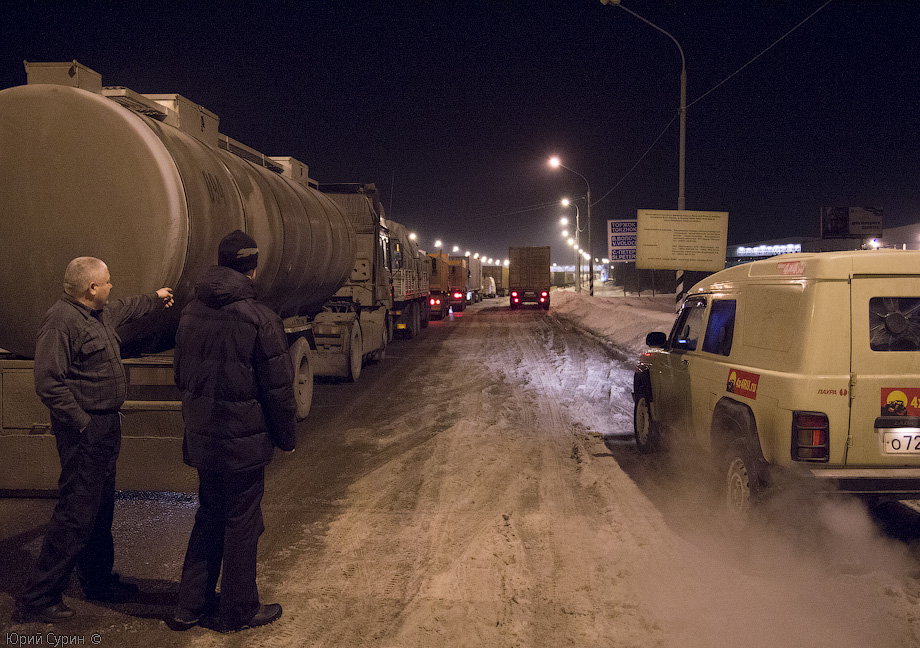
(238,250)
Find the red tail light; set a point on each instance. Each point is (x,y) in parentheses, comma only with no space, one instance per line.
(543,294)
(516,300)
(435,302)
(458,295)
(810,436)
(542,299)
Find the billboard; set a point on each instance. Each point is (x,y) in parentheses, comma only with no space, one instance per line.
(621,240)
(851,222)
(680,239)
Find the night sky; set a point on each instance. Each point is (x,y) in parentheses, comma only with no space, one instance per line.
(453,108)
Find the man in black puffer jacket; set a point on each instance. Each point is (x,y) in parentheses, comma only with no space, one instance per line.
(237,383)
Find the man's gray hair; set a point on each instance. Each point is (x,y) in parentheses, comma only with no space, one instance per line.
(80,273)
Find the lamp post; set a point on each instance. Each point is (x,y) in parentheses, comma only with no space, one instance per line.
(681,199)
(577,275)
(554,162)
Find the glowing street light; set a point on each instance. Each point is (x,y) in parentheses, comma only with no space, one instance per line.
(437,244)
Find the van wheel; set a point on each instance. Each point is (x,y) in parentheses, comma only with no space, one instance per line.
(644,428)
(303,377)
(739,483)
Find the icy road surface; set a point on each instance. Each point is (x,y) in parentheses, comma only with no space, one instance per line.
(480,488)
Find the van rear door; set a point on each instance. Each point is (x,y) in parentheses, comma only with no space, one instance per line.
(885,368)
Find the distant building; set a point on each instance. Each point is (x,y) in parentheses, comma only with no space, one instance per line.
(906,237)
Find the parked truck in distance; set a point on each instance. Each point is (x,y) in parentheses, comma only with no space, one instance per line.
(500,274)
(439,286)
(528,276)
(458,276)
(474,280)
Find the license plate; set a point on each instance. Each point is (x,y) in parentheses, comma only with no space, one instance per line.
(904,441)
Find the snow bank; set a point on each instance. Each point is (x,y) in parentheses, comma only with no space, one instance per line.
(621,321)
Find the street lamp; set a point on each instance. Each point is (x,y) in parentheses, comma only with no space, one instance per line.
(681,200)
(554,162)
(565,203)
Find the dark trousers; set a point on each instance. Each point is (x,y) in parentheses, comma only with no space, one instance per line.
(227,529)
(80,531)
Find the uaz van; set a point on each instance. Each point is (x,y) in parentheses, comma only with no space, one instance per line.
(803,362)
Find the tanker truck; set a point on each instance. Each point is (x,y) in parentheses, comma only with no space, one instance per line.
(148,184)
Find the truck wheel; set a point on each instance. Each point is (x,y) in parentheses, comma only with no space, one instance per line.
(644,428)
(303,377)
(414,321)
(739,483)
(381,351)
(355,353)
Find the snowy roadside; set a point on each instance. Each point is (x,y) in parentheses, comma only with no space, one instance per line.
(621,321)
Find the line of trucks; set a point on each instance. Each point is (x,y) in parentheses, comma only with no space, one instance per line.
(147,183)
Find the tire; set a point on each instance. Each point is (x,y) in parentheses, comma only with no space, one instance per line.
(414,321)
(303,377)
(381,353)
(739,483)
(645,429)
(355,353)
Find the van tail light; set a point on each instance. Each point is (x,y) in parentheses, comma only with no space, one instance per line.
(810,436)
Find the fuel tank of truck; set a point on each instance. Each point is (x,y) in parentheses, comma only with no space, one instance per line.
(81,175)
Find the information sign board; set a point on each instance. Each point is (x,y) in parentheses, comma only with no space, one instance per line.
(621,240)
(680,239)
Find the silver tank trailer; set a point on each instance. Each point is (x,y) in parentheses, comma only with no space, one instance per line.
(82,175)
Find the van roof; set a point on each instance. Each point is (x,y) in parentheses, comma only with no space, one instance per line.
(819,265)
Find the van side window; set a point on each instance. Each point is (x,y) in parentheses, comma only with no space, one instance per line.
(894,323)
(689,325)
(721,327)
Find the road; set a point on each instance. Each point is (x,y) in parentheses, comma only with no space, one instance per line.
(479,487)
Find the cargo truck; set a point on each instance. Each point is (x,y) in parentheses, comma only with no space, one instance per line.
(148,184)
(411,274)
(458,276)
(474,280)
(529,276)
(500,274)
(439,286)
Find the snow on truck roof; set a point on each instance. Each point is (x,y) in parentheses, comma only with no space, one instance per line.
(819,265)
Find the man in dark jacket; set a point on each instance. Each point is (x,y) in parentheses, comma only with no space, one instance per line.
(237,383)
(81,380)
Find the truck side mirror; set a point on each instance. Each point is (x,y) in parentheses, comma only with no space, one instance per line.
(656,339)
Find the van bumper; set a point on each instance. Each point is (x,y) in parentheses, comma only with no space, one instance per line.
(900,483)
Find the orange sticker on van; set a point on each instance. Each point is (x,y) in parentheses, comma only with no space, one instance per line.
(900,401)
(742,383)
